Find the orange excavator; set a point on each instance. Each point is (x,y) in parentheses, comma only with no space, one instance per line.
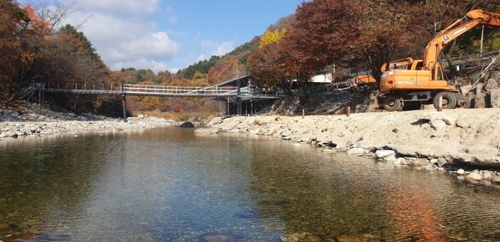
(396,64)
(423,81)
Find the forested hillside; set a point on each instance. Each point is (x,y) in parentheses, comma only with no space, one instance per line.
(342,35)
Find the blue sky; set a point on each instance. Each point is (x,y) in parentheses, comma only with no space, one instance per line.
(171,34)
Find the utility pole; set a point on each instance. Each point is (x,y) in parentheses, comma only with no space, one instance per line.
(482,34)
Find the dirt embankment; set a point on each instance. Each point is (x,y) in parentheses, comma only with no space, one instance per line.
(471,136)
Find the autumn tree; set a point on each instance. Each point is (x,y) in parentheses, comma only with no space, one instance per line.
(271,37)
(22,31)
(164,77)
(425,18)
(346,33)
(79,38)
(233,64)
(269,67)
(11,47)
(267,62)
(54,56)
(35,49)
(283,23)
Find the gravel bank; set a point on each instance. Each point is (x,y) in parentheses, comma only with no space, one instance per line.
(465,142)
(29,121)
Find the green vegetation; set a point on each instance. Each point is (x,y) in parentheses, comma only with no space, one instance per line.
(80,39)
(202,67)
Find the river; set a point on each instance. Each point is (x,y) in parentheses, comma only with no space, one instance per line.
(169,184)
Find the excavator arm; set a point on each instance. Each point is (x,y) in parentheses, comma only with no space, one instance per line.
(459,27)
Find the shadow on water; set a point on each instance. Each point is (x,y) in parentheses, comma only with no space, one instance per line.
(47,176)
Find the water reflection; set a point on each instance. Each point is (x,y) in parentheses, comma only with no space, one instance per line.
(170,185)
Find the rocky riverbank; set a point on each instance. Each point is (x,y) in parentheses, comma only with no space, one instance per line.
(460,141)
(28,120)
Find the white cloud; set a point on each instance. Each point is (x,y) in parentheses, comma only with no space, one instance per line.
(172,16)
(122,7)
(223,48)
(217,48)
(202,57)
(156,46)
(143,64)
(124,33)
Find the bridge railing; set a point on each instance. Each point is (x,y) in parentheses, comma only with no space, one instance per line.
(156,90)
(178,90)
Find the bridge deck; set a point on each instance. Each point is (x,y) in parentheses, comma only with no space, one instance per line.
(166,91)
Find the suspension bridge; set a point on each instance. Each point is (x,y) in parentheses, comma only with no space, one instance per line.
(237,92)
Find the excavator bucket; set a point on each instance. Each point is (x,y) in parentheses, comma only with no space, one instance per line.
(487,18)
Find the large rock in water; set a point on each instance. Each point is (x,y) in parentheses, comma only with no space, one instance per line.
(187,125)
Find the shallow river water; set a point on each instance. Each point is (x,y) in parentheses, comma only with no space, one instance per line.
(168,184)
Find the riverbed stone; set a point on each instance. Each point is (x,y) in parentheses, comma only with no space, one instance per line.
(299,237)
(495,179)
(490,84)
(441,162)
(487,175)
(438,124)
(495,98)
(384,153)
(449,120)
(475,176)
(208,131)
(391,158)
(400,161)
(356,151)
(286,133)
(480,98)
(460,171)
(217,238)
(465,88)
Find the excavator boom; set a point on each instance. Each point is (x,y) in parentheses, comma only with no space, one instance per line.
(459,27)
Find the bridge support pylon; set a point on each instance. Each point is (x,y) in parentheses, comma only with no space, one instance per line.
(124,106)
(124,103)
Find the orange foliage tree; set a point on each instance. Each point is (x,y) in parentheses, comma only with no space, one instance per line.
(345,33)
(227,68)
(267,63)
(149,102)
(371,33)
(36,51)
(10,46)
